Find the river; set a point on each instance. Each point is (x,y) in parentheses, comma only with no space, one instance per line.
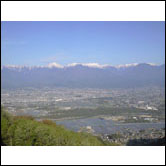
(102,126)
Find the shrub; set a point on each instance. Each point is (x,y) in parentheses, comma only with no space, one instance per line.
(25,131)
(24,117)
(6,122)
(49,122)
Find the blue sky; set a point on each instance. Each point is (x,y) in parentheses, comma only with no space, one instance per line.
(114,43)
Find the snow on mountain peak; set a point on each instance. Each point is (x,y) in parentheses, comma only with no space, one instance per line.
(152,64)
(91,65)
(94,65)
(127,65)
(51,65)
(73,64)
(56,65)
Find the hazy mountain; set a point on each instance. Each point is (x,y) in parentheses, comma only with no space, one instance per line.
(90,75)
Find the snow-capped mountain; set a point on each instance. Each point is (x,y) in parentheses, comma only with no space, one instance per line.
(82,75)
(90,65)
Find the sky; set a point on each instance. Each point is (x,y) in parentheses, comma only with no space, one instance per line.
(64,42)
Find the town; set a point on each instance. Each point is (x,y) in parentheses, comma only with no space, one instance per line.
(60,101)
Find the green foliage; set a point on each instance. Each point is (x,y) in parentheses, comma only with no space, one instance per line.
(24,117)
(6,121)
(25,131)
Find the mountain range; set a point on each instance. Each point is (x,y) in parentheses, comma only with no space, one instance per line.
(77,75)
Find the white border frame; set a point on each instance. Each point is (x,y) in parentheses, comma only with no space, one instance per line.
(83,11)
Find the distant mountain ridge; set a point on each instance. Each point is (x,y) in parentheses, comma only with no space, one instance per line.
(88,75)
(91,65)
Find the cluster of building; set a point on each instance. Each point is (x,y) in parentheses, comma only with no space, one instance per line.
(143,98)
(140,137)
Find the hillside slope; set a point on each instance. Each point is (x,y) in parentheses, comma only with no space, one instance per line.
(25,131)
